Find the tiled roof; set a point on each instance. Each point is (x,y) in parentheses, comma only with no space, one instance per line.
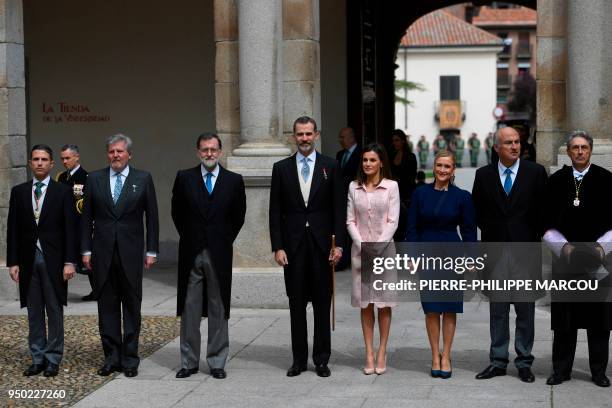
(440,28)
(520,16)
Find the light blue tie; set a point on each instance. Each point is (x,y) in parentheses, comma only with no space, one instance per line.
(208,182)
(305,169)
(117,189)
(508,181)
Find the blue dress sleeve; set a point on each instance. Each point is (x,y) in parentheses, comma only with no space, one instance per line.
(413,217)
(468,218)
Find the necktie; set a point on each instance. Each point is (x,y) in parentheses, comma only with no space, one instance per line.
(209,182)
(508,181)
(305,169)
(345,158)
(117,188)
(38,189)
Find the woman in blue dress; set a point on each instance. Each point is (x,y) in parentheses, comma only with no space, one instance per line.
(435,212)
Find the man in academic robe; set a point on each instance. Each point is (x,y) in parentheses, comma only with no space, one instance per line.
(208,209)
(578,212)
(306,209)
(41,257)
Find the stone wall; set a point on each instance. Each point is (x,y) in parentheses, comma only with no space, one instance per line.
(13,146)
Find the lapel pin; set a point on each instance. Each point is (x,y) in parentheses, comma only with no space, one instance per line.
(134,187)
(325,173)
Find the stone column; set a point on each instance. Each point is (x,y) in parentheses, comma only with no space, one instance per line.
(589,69)
(13,146)
(551,79)
(301,62)
(260,99)
(260,56)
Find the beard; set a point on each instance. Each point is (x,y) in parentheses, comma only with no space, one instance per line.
(209,164)
(305,148)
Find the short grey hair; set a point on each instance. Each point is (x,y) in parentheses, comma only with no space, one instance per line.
(496,135)
(579,133)
(119,137)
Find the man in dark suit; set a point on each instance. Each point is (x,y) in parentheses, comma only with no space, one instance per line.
(507,197)
(306,209)
(208,208)
(349,159)
(41,256)
(112,245)
(578,218)
(75,177)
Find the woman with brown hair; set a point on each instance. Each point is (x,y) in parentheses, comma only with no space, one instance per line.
(372,216)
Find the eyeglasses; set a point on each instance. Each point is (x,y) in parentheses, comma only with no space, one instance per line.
(304,134)
(209,150)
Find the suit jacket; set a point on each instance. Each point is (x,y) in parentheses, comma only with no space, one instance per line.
(326,211)
(209,221)
(349,171)
(513,218)
(106,226)
(55,230)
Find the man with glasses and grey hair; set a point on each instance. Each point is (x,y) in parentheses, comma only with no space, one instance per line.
(579,228)
(75,177)
(117,198)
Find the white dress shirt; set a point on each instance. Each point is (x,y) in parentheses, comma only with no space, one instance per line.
(215,175)
(112,179)
(502,171)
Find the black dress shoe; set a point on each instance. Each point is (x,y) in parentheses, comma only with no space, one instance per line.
(186,372)
(601,381)
(490,372)
(130,372)
(296,370)
(51,371)
(526,375)
(556,379)
(88,298)
(322,370)
(218,373)
(34,369)
(107,370)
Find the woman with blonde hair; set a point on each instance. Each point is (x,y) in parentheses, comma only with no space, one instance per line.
(435,212)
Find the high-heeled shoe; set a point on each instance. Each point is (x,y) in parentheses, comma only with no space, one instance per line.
(369,370)
(381,371)
(436,373)
(445,375)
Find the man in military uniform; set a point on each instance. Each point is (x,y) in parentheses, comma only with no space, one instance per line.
(474,145)
(439,144)
(423,150)
(459,148)
(75,177)
(489,146)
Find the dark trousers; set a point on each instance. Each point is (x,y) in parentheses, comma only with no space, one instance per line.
(42,298)
(115,298)
(310,278)
(217,348)
(499,313)
(564,349)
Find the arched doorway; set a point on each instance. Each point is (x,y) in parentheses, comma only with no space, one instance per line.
(375,29)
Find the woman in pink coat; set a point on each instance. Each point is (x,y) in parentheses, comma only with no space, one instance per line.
(372,216)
